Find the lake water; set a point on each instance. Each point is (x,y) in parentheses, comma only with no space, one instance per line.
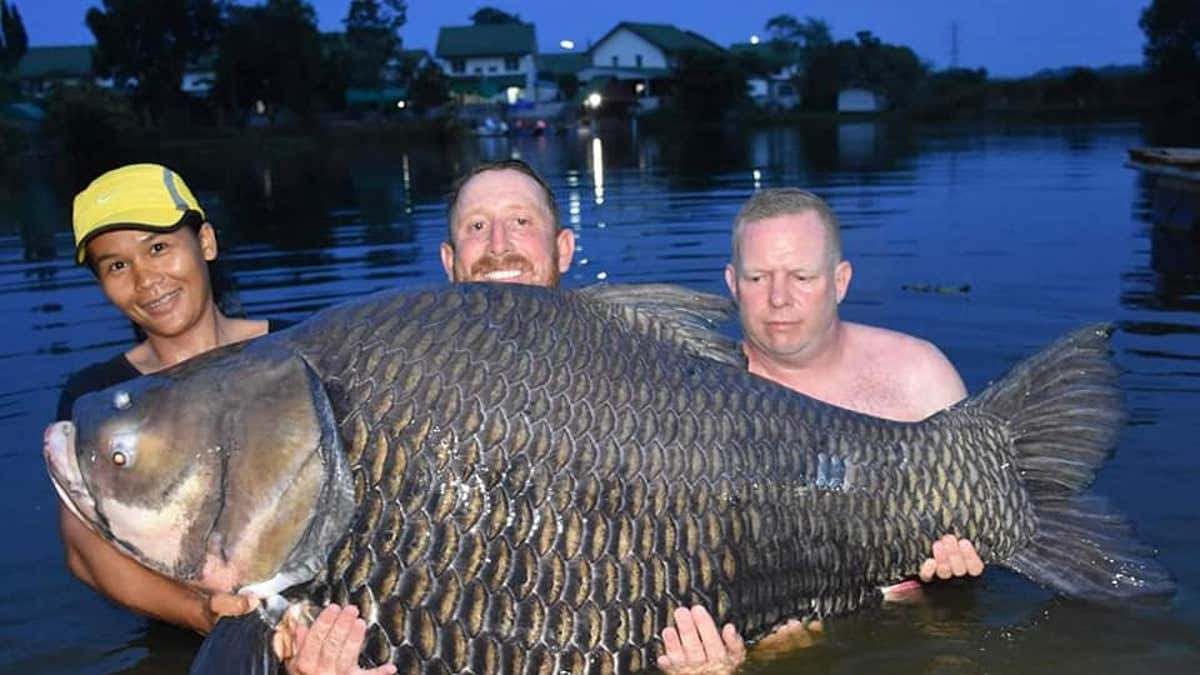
(1044,224)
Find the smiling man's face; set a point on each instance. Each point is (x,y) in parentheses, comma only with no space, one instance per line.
(503,231)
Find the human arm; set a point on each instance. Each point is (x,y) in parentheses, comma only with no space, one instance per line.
(694,646)
(934,383)
(122,580)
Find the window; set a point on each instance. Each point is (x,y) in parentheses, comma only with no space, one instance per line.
(616,61)
(638,58)
(511,63)
(492,69)
(458,65)
(478,70)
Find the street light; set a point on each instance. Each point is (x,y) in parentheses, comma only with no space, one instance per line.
(754,39)
(567,44)
(594,100)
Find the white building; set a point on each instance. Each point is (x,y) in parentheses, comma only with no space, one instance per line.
(777,71)
(856,100)
(489,64)
(636,60)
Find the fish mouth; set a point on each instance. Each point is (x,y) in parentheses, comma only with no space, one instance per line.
(58,447)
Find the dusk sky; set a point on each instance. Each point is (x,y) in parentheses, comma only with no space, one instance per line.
(1008,37)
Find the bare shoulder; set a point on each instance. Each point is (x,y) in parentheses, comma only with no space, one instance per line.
(916,364)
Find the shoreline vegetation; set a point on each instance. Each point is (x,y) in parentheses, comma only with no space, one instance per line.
(262,91)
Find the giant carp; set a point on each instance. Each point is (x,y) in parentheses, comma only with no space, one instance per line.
(516,479)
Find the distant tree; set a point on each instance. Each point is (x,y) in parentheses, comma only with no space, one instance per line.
(490,16)
(92,124)
(428,88)
(373,38)
(279,72)
(150,42)
(892,70)
(14,42)
(335,71)
(708,85)
(1172,47)
(955,92)
(809,33)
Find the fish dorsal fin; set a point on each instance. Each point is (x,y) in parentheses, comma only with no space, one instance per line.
(678,315)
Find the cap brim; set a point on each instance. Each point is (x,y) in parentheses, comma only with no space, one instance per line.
(139,219)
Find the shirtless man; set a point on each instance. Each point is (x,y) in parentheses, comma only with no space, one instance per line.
(503,225)
(788,277)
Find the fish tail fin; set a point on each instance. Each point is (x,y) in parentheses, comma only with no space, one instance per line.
(1065,412)
(237,645)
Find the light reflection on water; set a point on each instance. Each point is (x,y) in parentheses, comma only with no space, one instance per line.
(1045,224)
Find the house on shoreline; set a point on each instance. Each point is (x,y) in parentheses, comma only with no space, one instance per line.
(489,63)
(633,63)
(776,70)
(42,69)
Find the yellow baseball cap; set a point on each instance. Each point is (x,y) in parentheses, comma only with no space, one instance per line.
(136,196)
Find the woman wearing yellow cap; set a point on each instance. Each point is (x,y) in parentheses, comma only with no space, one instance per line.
(142,233)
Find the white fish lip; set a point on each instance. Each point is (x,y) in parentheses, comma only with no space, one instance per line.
(58,446)
(503,275)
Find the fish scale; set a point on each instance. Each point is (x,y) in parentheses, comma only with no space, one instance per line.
(515,479)
(663,424)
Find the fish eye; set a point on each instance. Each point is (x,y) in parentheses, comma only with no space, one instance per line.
(121,453)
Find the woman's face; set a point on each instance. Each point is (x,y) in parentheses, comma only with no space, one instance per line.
(159,280)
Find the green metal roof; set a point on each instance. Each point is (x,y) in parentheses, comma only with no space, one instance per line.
(666,37)
(376,95)
(562,64)
(509,39)
(71,61)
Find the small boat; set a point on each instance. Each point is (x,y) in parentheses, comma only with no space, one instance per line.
(1175,199)
(1174,162)
(490,126)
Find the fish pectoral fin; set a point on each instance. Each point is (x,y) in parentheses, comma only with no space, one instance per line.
(238,645)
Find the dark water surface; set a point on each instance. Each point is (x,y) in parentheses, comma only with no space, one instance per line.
(1045,225)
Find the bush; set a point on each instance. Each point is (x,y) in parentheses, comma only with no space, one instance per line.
(12,142)
(93,125)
